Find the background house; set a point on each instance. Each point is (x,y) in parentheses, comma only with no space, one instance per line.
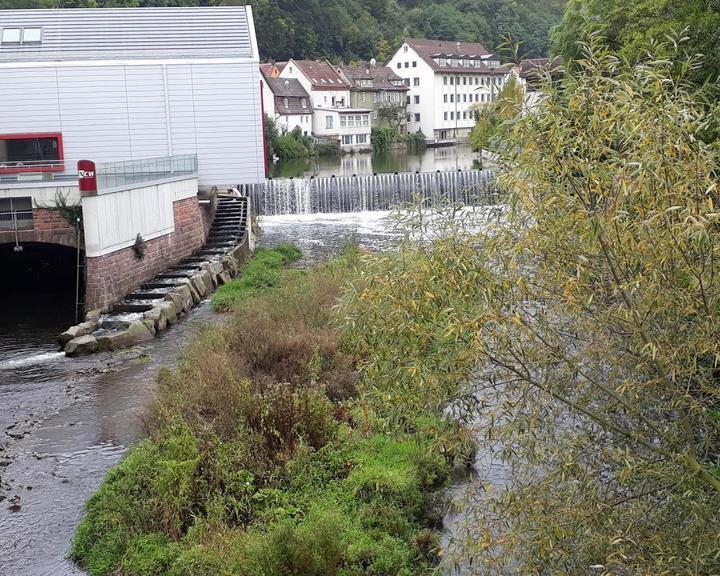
(333,119)
(125,84)
(291,107)
(446,81)
(376,88)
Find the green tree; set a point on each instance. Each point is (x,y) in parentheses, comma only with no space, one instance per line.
(633,29)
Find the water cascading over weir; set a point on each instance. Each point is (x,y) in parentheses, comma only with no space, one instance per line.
(369,193)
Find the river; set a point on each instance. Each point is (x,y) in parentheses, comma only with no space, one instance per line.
(459,157)
(65,422)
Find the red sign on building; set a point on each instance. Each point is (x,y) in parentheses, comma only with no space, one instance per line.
(87,177)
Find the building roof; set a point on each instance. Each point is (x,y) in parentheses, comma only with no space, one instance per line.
(430,49)
(287,87)
(380,75)
(322,75)
(130,33)
(267,70)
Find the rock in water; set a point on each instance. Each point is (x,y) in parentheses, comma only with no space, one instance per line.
(80,346)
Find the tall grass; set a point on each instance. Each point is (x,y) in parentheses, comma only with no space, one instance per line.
(263,460)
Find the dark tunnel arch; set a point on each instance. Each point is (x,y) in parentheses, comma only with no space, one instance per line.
(41,275)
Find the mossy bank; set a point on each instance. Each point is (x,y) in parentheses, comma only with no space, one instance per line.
(264,457)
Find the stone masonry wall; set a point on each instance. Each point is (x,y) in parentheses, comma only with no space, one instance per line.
(111,276)
(49,227)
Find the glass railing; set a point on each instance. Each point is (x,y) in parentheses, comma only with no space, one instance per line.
(133,172)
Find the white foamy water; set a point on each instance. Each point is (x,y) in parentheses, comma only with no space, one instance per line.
(40,358)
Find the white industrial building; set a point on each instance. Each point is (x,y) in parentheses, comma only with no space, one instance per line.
(111,85)
(447,82)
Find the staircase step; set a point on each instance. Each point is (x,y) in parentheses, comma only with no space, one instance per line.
(125,307)
(155,285)
(172,275)
(145,296)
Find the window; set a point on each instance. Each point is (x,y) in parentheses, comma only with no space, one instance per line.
(32,35)
(11,36)
(452,115)
(417,99)
(476,97)
(417,117)
(477,80)
(465,80)
(285,102)
(328,122)
(362,96)
(452,80)
(31,153)
(303,103)
(407,100)
(16,212)
(347,140)
(464,97)
(358,120)
(399,65)
(343,121)
(351,121)
(445,98)
(445,80)
(414,64)
(452,97)
(416,81)
(407,117)
(361,139)
(405,47)
(407,64)
(445,115)
(366,120)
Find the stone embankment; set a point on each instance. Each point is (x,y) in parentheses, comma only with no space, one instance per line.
(165,299)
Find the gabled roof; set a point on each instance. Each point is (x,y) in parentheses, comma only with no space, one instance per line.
(131,33)
(322,75)
(430,49)
(287,87)
(382,77)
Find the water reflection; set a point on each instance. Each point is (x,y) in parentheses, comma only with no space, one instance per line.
(364,163)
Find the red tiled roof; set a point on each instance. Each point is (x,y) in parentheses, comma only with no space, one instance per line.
(322,75)
(429,49)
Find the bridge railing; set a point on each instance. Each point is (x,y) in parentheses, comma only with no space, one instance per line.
(132,173)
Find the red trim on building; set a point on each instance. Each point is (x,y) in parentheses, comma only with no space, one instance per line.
(59,167)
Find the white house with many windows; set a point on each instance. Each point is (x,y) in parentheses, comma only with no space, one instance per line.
(447,82)
(333,119)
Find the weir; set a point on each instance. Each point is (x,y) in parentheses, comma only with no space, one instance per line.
(369,193)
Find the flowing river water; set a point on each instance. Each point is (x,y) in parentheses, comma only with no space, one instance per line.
(65,422)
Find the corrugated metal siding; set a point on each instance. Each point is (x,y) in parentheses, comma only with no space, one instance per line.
(74,34)
(115,113)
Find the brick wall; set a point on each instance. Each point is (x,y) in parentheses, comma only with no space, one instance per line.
(49,227)
(47,219)
(111,276)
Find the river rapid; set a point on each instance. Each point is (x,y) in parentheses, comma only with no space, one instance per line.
(65,422)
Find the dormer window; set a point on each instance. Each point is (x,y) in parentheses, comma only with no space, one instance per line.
(303,103)
(285,102)
(11,35)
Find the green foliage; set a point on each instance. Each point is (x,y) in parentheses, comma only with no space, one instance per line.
(634,29)
(382,138)
(263,271)
(493,119)
(580,336)
(255,466)
(416,141)
(362,29)
(271,137)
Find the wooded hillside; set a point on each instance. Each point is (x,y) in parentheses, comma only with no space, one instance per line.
(354,29)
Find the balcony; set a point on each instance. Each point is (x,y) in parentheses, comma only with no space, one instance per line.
(116,176)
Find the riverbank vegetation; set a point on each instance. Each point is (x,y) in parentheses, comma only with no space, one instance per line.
(586,328)
(265,457)
(383,139)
